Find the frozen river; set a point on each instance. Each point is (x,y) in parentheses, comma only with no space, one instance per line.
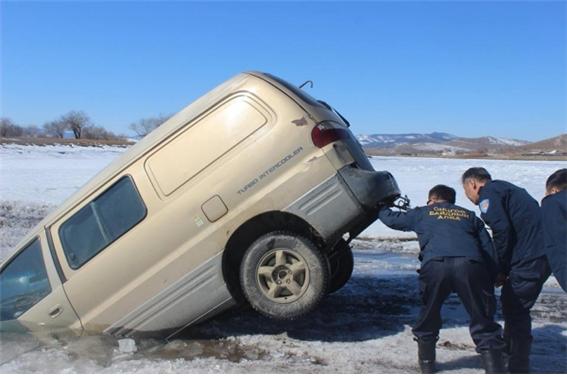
(362,328)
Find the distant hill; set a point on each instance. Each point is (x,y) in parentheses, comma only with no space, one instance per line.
(487,143)
(556,146)
(444,144)
(436,142)
(392,140)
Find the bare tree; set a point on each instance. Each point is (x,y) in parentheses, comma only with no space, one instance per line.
(55,128)
(100,133)
(33,131)
(97,132)
(146,125)
(76,121)
(9,129)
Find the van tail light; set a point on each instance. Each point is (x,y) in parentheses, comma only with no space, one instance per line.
(326,132)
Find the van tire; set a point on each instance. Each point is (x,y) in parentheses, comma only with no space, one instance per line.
(283,275)
(342,265)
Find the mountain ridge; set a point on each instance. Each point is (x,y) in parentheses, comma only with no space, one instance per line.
(445,144)
(389,140)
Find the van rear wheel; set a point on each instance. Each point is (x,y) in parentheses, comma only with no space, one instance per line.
(283,275)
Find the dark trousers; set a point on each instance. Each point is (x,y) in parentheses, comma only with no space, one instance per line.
(470,279)
(519,294)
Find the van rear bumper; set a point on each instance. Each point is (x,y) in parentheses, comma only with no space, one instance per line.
(346,202)
(370,187)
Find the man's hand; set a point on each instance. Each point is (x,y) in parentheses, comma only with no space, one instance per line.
(402,203)
(500,279)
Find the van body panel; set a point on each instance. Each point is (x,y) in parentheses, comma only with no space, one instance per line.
(340,156)
(39,319)
(177,162)
(182,302)
(329,207)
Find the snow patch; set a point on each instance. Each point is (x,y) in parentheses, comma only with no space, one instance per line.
(506,141)
(437,147)
(127,346)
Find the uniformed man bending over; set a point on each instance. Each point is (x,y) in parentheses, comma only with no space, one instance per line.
(515,219)
(456,256)
(554,217)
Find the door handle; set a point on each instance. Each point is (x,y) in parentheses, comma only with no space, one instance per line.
(55,311)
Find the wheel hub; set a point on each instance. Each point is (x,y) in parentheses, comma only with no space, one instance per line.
(282,275)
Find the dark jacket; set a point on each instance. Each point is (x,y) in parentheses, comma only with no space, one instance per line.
(445,230)
(554,220)
(515,219)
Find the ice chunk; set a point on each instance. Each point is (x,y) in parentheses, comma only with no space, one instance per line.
(127,345)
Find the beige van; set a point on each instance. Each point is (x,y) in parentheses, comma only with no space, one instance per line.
(251,193)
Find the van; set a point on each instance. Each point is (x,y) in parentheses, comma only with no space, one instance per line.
(252,193)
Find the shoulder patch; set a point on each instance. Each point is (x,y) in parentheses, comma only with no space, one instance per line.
(484,204)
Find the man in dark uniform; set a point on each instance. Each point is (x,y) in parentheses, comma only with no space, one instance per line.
(457,256)
(554,218)
(515,219)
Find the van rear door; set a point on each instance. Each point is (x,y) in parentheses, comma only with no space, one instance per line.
(331,125)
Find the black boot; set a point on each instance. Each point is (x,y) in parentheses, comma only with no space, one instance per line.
(426,355)
(519,362)
(492,361)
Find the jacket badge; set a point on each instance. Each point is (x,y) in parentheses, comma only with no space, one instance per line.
(484,204)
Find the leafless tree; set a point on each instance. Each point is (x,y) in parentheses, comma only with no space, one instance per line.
(33,131)
(97,132)
(55,128)
(76,121)
(100,133)
(9,129)
(146,125)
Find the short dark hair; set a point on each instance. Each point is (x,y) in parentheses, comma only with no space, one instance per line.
(558,179)
(443,192)
(477,173)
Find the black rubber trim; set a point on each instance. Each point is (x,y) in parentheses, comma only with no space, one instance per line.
(54,256)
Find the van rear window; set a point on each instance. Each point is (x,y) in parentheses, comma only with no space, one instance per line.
(101,222)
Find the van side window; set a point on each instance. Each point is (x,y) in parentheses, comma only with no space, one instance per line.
(23,282)
(101,222)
